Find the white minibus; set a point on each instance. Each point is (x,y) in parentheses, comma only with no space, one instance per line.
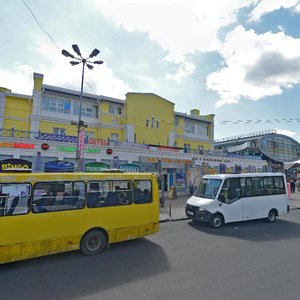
(225,198)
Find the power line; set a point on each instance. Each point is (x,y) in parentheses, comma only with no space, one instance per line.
(51,38)
(291,120)
(40,25)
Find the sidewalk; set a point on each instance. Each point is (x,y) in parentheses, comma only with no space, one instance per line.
(174,209)
(295,200)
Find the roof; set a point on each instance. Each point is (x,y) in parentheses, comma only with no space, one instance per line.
(69,92)
(222,176)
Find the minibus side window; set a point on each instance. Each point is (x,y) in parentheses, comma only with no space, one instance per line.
(269,187)
(142,191)
(14,198)
(231,190)
(279,185)
(57,196)
(257,186)
(246,186)
(109,193)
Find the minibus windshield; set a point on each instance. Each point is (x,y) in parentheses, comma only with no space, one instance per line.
(208,188)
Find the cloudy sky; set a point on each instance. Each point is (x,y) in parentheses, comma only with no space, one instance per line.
(237,59)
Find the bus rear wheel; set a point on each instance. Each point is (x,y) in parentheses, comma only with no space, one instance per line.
(216,221)
(272,216)
(93,242)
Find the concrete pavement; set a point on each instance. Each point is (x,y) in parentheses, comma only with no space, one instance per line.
(174,209)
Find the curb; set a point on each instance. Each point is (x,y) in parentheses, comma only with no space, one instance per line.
(174,219)
(294,208)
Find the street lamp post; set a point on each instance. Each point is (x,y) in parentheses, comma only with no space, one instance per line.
(85,62)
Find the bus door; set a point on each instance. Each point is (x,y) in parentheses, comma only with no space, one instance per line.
(232,206)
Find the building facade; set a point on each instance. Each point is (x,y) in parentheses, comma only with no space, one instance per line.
(140,133)
(276,149)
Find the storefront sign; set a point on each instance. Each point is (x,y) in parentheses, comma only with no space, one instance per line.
(59,166)
(15,164)
(165,148)
(169,160)
(16,145)
(96,167)
(73,149)
(98,142)
(130,168)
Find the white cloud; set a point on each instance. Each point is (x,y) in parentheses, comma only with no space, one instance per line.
(266,6)
(289,133)
(20,74)
(256,66)
(178,26)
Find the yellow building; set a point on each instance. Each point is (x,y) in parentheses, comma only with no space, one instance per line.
(142,118)
(139,133)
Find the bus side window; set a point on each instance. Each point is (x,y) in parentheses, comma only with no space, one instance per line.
(14,199)
(56,196)
(142,191)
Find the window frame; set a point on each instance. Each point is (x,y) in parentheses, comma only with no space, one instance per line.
(50,197)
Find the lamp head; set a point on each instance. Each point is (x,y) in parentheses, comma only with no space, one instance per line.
(94,53)
(90,66)
(76,49)
(73,63)
(67,54)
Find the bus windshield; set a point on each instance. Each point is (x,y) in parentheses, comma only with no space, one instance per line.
(208,188)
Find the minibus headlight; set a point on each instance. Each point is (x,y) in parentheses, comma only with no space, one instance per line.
(202,208)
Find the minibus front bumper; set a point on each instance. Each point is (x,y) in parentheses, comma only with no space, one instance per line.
(193,212)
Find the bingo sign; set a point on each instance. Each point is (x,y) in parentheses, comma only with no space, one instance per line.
(17,165)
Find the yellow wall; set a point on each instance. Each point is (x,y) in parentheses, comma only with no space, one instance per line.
(139,107)
(37,81)
(194,145)
(16,113)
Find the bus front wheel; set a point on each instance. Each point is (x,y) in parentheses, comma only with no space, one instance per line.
(93,242)
(216,221)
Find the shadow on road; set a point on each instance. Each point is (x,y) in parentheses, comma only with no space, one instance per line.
(71,275)
(255,231)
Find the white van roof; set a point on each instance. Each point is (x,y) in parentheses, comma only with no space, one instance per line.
(222,176)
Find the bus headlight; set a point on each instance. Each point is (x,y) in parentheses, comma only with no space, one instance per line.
(202,208)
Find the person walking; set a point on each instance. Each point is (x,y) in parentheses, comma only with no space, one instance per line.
(293,185)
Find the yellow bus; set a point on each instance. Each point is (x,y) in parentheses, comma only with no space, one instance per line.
(47,213)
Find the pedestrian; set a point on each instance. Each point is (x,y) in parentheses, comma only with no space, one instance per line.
(289,189)
(191,188)
(293,185)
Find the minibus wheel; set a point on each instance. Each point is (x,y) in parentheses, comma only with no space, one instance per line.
(216,221)
(93,242)
(272,216)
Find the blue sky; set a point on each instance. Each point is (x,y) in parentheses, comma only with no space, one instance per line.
(239,60)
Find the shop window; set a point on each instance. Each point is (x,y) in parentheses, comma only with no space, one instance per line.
(87,110)
(59,131)
(59,105)
(113,109)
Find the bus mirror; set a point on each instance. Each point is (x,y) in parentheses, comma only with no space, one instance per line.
(222,198)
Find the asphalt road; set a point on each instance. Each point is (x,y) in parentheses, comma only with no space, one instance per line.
(250,260)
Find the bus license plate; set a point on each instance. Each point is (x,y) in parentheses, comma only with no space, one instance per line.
(190,212)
